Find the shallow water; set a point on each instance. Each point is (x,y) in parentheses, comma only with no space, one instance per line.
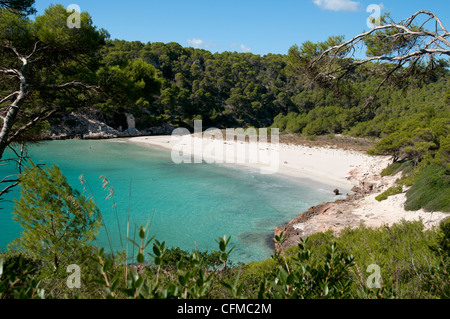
(187,205)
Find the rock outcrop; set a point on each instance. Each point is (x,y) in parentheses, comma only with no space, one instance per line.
(81,126)
(77,125)
(131,123)
(320,218)
(338,215)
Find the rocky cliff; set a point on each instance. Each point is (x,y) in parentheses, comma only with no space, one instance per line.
(333,216)
(340,214)
(87,126)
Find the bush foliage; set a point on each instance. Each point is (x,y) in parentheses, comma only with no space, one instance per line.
(413,263)
(169,84)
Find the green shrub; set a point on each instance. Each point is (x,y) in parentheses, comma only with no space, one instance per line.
(393,169)
(402,251)
(176,254)
(394,190)
(18,277)
(293,126)
(430,191)
(58,222)
(437,279)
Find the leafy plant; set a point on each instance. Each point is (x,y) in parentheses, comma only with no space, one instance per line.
(431,190)
(18,278)
(303,280)
(58,222)
(394,190)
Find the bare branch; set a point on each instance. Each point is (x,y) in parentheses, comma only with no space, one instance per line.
(406,43)
(15,152)
(12,48)
(429,13)
(44,115)
(8,188)
(34,50)
(12,72)
(404,29)
(6,180)
(418,53)
(13,180)
(9,96)
(68,85)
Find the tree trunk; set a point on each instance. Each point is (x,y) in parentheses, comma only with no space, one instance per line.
(13,109)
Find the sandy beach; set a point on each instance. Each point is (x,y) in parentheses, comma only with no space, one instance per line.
(328,166)
(338,168)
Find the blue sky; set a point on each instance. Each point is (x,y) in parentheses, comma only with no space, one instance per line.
(258,26)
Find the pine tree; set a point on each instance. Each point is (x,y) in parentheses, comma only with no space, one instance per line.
(58,222)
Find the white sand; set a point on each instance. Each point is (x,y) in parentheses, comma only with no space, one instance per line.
(327,166)
(391,211)
(338,168)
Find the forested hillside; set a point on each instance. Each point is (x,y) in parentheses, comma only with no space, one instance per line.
(165,83)
(48,70)
(169,83)
(223,89)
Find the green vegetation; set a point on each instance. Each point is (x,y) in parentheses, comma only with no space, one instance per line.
(431,190)
(169,84)
(49,70)
(60,226)
(398,167)
(413,264)
(390,192)
(236,89)
(420,148)
(19,6)
(58,223)
(223,89)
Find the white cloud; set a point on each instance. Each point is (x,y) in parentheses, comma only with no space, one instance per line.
(338,5)
(245,49)
(196,43)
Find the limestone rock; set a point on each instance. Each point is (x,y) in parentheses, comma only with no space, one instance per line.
(301,227)
(83,126)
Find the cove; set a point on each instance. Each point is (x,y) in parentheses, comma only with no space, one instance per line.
(188,206)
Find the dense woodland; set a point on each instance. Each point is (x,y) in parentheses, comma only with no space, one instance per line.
(230,89)
(166,83)
(48,70)
(224,89)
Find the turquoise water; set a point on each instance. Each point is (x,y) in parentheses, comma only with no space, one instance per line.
(188,205)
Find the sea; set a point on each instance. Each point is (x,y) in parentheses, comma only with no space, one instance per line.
(186,205)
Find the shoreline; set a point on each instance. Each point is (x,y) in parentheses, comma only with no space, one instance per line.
(327,166)
(349,171)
